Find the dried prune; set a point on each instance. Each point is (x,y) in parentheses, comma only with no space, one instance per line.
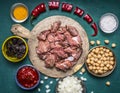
(20,42)
(15,48)
(22,49)
(14,41)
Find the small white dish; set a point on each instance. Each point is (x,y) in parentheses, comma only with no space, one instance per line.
(20,12)
(108,23)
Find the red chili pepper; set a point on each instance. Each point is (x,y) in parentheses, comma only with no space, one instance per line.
(54,5)
(88,18)
(37,10)
(67,7)
(94,26)
(78,11)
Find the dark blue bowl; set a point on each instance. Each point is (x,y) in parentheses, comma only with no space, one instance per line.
(21,86)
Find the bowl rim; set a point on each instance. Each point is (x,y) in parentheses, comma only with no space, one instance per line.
(117,22)
(5,55)
(11,12)
(105,74)
(31,88)
(82,83)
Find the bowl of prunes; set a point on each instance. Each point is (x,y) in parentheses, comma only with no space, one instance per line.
(15,48)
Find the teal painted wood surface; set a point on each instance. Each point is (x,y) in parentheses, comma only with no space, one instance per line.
(96,8)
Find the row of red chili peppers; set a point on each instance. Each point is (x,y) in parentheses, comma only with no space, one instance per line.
(65,7)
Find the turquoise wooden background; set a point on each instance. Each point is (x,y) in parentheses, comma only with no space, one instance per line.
(96,8)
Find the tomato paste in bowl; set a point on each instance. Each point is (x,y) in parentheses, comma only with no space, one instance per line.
(27,77)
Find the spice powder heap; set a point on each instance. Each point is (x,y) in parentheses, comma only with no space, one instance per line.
(20,13)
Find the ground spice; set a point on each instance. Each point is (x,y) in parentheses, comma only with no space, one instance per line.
(20,13)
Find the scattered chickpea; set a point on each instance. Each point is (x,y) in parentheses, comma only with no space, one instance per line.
(102,65)
(88,61)
(101,52)
(106,41)
(83,70)
(101,48)
(90,67)
(104,49)
(107,50)
(107,58)
(108,83)
(99,56)
(89,55)
(92,43)
(94,67)
(113,45)
(112,58)
(98,68)
(97,64)
(106,54)
(110,54)
(110,67)
(98,42)
(96,72)
(111,62)
(107,65)
(105,68)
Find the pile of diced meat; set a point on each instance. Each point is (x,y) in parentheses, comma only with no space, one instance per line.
(60,46)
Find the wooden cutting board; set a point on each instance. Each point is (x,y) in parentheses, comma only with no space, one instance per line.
(45,24)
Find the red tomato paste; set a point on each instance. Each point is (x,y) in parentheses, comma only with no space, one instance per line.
(27,76)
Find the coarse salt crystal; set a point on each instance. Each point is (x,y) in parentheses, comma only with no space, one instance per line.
(57,79)
(39,90)
(81,73)
(48,90)
(45,77)
(84,79)
(41,81)
(51,82)
(92,92)
(47,86)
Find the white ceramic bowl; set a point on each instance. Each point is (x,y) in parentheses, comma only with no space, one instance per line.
(12,9)
(108,23)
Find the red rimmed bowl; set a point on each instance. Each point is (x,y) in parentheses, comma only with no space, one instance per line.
(27,77)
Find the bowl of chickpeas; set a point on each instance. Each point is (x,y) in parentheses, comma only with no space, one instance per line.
(100,61)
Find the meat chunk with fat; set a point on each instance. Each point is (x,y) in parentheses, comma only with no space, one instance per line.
(42,56)
(50,60)
(77,54)
(73,31)
(43,47)
(55,45)
(64,65)
(59,51)
(65,43)
(69,50)
(59,37)
(78,40)
(43,35)
(62,29)
(55,26)
(70,40)
(51,37)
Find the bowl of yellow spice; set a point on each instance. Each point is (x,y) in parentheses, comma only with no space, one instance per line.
(19,12)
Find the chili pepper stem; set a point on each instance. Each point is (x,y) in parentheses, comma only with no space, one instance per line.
(31,20)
